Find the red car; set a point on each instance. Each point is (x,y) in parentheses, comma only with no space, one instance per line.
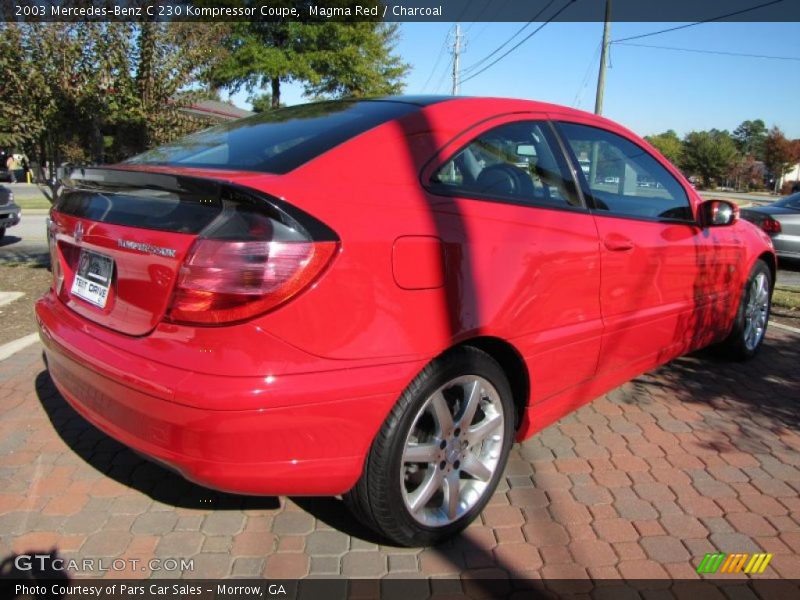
(375,298)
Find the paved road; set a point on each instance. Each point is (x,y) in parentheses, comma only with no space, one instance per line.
(740,198)
(697,457)
(26,241)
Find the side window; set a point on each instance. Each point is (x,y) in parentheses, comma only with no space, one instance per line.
(623,178)
(519,161)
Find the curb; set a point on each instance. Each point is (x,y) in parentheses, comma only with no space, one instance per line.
(12,348)
(784,327)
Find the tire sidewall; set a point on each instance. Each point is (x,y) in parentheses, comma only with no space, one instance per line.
(736,339)
(444,369)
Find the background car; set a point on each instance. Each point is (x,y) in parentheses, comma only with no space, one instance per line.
(781,220)
(274,307)
(10,213)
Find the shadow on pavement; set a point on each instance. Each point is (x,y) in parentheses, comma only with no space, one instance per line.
(130,469)
(34,567)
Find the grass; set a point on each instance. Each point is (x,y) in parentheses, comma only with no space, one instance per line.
(30,202)
(786,297)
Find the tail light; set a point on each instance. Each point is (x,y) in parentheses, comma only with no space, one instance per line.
(771,226)
(252,258)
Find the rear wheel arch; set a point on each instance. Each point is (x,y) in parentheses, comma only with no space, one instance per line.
(512,363)
(771,260)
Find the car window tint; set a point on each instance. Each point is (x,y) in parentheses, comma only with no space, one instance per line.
(276,141)
(622,178)
(516,162)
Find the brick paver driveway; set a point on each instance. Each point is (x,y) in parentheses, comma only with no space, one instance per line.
(699,456)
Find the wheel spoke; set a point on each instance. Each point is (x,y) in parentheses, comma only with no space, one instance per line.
(453,451)
(441,412)
(472,398)
(423,494)
(451,494)
(483,429)
(421,453)
(472,465)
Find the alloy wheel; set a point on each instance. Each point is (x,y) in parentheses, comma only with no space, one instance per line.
(452,451)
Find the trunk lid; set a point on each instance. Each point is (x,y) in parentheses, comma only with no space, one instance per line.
(123,236)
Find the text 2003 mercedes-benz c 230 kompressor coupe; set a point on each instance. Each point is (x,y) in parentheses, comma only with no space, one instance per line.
(376,298)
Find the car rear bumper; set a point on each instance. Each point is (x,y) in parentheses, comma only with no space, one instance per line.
(10,215)
(787,246)
(314,447)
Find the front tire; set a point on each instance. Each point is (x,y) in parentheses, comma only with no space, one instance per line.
(752,316)
(440,453)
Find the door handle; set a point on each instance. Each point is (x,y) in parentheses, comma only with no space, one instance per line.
(617,243)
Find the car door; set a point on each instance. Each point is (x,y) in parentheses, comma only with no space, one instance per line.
(524,245)
(660,271)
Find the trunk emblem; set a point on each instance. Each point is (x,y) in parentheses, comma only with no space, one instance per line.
(147,248)
(78,233)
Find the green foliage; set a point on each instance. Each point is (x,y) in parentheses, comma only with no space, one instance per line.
(355,60)
(260,102)
(67,87)
(749,138)
(331,59)
(710,154)
(669,144)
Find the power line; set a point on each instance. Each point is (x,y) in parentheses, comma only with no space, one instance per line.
(443,76)
(700,51)
(477,17)
(525,39)
(732,14)
(436,64)
(488,23)
(585,79)
(473,66)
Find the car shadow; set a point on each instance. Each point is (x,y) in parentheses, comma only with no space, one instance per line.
(30,257)
(789,264)
(32,568)
(121,464)
(8,240)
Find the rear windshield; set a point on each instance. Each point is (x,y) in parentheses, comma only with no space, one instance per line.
(276,141)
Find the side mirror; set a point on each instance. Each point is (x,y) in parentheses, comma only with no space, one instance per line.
(718,213)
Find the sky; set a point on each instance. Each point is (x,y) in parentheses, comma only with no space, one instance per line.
(648,90)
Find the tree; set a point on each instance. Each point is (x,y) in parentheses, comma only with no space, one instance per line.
(710,154)
(749,138)
(669,145)
(260,102)
(332,59)
(89,92)
(779,154)
(355,60)
(747,173)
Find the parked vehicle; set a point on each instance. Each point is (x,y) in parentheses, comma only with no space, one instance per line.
(10,213)
(781,220)
(274,307)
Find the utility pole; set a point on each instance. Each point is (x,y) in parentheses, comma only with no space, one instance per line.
(601,77)
(457,60)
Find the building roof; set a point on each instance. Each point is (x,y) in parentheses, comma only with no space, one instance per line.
(219,111)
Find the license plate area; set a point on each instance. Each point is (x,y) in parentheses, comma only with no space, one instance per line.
(93,278)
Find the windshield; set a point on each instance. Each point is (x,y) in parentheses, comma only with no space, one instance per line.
(276,141)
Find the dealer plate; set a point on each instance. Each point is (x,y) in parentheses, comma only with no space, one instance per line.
(93,279)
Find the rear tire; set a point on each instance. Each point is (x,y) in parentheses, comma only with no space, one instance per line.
(752,317)
(2,232)
(441,452)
